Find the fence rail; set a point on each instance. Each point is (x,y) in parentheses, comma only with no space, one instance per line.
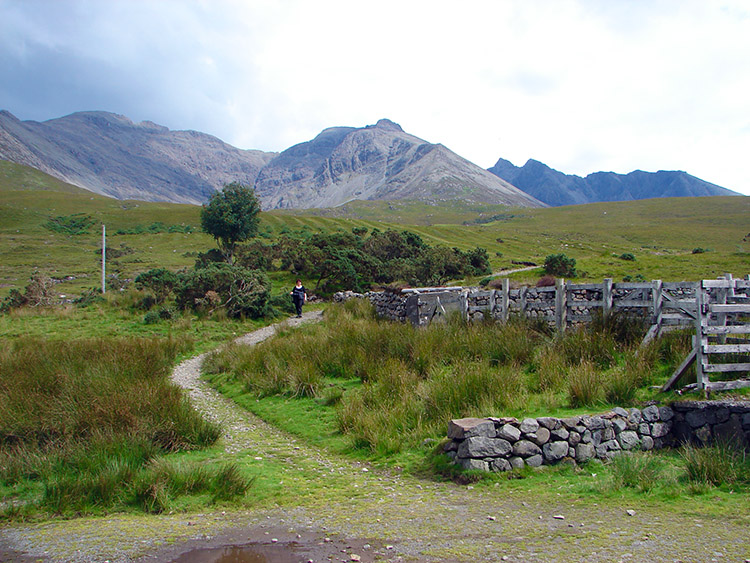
(723,309)
(719,310)
(663,304)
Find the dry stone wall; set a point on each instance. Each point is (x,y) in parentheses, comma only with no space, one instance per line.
(502,444)
(562,305)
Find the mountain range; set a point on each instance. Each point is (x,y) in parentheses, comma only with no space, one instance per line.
(111,155)
(555,188)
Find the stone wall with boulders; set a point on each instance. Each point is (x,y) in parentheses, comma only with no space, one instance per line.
(388,304)
(502,444)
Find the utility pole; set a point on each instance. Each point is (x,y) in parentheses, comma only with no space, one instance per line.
(104,258)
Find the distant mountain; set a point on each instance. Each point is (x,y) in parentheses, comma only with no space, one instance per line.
(377,162)
(555,188)
(110,155)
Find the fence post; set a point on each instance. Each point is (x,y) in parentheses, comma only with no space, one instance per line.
(607,297)
(505,299)
(522,300)
(701,379)
(657,300)
(561,305)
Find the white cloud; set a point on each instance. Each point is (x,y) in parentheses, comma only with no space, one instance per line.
(581,85)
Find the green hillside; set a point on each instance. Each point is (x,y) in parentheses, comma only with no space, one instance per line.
(661,234)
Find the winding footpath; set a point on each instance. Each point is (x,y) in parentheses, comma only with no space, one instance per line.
(371,514)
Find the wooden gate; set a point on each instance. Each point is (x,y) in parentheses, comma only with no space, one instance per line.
(722,335)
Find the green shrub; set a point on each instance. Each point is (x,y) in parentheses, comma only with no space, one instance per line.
(241,292)
(627,256)
(152,317)
(89,297)
(160,281)
(560,265)
(76,224)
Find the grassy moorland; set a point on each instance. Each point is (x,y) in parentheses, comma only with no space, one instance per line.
(85,426)
(390,387)
(670,239)
(366,389)
(334,386)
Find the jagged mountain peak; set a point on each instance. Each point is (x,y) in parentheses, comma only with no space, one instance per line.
(110,154)
(386,124)
(556,188)
(376,162)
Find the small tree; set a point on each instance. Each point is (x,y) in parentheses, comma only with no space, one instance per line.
(231,217)
(560,265)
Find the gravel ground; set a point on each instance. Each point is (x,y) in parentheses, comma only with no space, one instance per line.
(378,515)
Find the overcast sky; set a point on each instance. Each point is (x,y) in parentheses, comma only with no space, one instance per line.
(581,85)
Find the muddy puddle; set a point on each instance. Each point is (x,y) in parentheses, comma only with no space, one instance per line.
(252,553)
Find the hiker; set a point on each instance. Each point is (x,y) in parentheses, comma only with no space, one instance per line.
(299,296)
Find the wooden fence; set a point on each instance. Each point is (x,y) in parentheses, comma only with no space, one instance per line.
(719,310)
(661,304)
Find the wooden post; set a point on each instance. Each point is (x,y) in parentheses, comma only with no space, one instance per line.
(607,297)
(492,303)
(657,297)
(505,300)
(522,299)
(701,379)
(561,305)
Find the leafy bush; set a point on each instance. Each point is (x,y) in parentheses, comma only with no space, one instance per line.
(560,265)
(341,260)
(627,256)
(76,224)
(89,297)
(241,292)
(159,280)
(157,227)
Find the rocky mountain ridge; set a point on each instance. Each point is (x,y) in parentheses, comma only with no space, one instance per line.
(109,154)
(556,188)
(377,162)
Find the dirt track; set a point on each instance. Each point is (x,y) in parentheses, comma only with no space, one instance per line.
(378,515)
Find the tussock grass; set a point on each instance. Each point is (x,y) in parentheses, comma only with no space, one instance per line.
(89,420)
(413,381)
(641,471)
(722,463)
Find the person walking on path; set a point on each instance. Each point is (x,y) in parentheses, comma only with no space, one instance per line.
(299,296)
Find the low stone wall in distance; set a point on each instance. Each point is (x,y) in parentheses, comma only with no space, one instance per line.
(502,444)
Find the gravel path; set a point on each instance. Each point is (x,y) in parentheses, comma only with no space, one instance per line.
(379,515)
